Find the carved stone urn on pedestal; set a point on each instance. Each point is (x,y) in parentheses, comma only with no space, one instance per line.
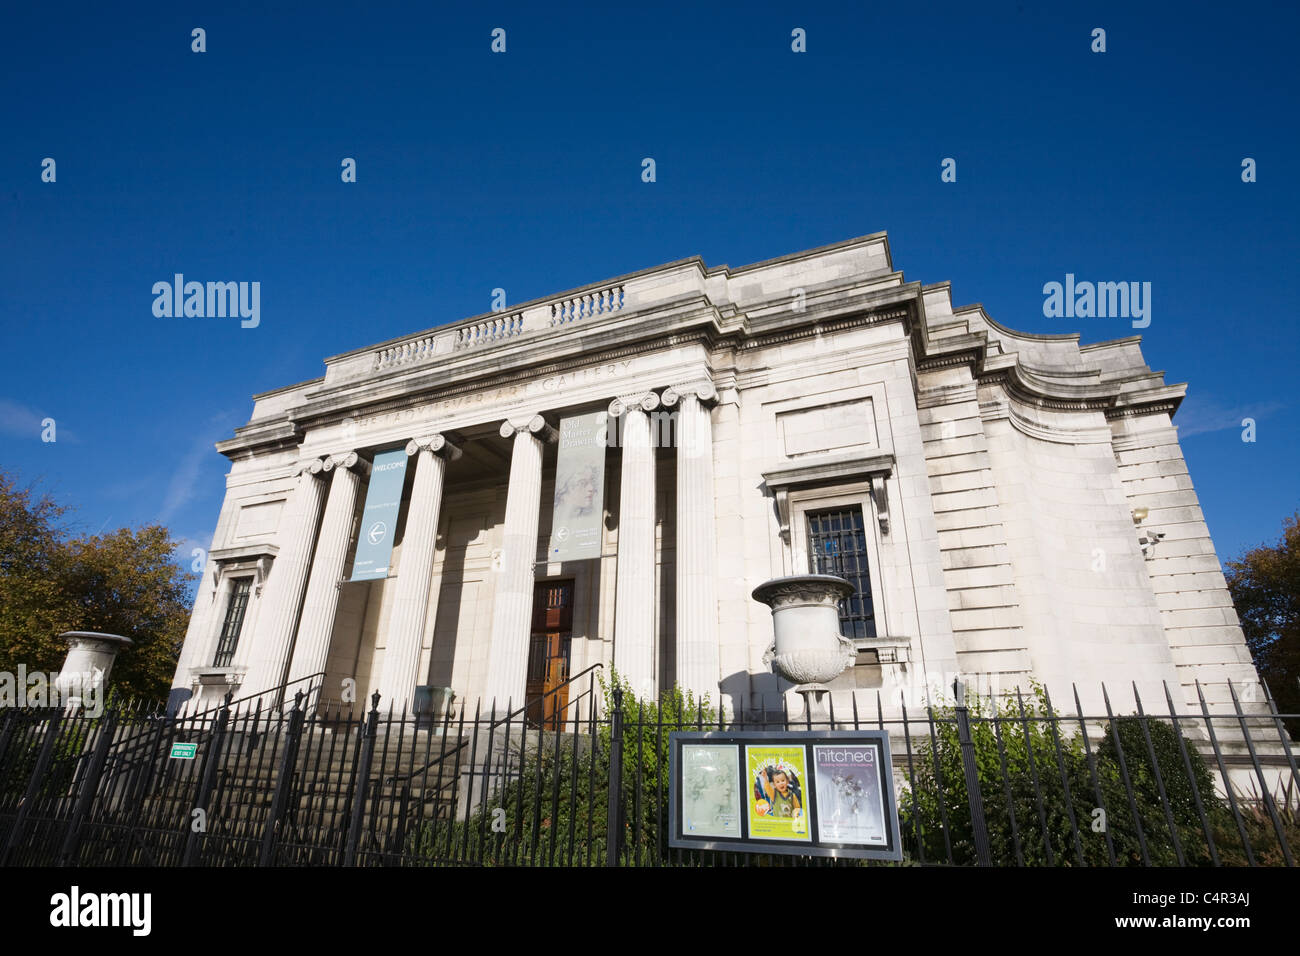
(808,648)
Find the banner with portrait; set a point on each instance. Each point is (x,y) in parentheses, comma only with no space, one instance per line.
(579,515)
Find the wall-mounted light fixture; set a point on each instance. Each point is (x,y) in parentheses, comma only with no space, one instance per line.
(1148,538)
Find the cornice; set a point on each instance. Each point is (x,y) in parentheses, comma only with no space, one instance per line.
(698,315)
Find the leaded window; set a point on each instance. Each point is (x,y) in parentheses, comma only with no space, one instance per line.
(234,623)
(837,544)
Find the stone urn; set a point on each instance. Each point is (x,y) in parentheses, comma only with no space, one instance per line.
(808,649)
(84,678)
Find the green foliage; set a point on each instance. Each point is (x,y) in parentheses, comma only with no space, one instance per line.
(122,582)
(19,764)
(1037,771)
(555,803)
(1260,829)
(1265,586)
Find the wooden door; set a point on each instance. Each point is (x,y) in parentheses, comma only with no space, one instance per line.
(548,652)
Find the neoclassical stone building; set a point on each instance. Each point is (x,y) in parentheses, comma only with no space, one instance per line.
(1007,506)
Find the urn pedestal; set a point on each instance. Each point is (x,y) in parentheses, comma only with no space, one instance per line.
(808,648)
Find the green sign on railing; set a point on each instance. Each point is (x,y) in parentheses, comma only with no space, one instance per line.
(184,751)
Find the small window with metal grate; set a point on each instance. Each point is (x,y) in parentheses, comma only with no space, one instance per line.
(234,622)
(837,544)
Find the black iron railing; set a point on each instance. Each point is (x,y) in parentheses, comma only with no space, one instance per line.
(1007,781)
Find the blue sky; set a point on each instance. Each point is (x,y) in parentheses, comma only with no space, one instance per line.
(522,171)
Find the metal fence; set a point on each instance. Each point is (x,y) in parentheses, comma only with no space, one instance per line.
(1002,782)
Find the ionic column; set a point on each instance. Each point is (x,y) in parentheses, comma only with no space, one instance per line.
(411,597)
(697,561)
(311,649)
(268,653)
(513,604)
(634,610)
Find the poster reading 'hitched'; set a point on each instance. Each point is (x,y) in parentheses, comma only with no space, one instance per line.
(850,806)
(777,793)
(711,790)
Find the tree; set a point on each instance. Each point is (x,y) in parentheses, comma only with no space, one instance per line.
(123,582)
(1265,586)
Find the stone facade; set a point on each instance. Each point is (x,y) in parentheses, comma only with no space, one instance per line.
(997,475)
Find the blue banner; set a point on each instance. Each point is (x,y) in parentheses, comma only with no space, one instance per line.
(379,517)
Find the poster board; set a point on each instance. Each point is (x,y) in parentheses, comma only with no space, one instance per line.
(810,793)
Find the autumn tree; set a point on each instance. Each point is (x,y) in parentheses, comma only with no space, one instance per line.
(1265,586)
(123,582)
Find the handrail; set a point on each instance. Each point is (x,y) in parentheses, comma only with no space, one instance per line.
(262,693)
(496,723)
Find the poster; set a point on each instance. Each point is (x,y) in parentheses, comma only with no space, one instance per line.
(850,806)
(579,515)
(379,517)
(711,790)
(777,794)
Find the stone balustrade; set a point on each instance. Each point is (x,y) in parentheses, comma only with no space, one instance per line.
(599,302)
(492,330)
(499,328)
(416,350)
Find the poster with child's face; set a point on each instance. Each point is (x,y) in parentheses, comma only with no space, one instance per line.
(777,793)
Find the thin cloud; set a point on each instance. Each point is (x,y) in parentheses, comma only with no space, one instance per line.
(21,421)
(1201,416)
(184,484)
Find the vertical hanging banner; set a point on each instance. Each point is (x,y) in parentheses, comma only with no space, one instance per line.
(379,517)
(579,488)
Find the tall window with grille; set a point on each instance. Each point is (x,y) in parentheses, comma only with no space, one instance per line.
(234,622)
(837,544)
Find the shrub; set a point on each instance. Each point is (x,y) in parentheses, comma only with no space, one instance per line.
(554,804)
(1039,788)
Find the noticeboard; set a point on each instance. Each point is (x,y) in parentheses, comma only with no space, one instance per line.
(811,793)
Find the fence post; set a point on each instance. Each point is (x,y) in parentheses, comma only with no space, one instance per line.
(614,832)
(33,788)
(89,788)
(207,780)
(280,797)
(363,780)
(979,827)
(11,722)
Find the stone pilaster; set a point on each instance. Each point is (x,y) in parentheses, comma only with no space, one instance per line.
(411,600)
(311,649)
(634,612)
(268,653)
(697,561)
(513,604)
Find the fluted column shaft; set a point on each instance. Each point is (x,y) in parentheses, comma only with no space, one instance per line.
(697,561)
(634,611)
(411,597)
(268,654)
(311,649)
(513,603)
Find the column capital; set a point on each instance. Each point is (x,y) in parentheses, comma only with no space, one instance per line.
(702,390)
(307,466)
(348,459)
(535,425)
(646,401)
(436,443)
